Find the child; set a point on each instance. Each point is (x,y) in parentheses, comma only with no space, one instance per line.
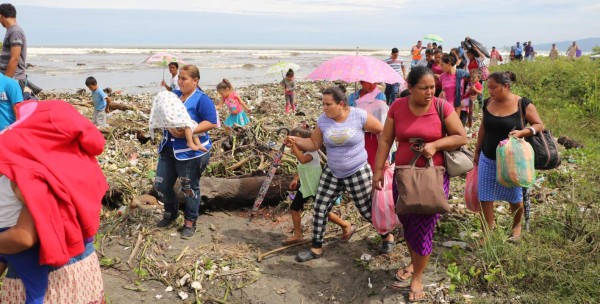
(236,106)
(168,111)
(289,89)
(101,102)
(473,90)
(33,275)
(309,173)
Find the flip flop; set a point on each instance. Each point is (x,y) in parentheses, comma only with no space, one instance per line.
(401,279)
(400,285)
(345,238)
(414,293)
(291,241)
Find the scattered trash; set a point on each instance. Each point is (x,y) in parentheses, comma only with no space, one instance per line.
(183,295)
(158,297)
(184,279)
(169,289)
(365,257)
(451,244)
(370,285)
(196,285)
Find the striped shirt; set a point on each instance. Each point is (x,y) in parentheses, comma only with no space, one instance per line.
(396,64)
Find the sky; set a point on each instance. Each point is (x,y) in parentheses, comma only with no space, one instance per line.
(303,23)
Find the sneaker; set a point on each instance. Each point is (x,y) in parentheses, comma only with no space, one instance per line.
(166,220)
(188,232)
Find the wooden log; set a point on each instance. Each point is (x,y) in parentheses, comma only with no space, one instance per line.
(242,191)
(121,106)
(229,192)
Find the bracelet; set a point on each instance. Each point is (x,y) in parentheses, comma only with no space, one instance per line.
(532,130)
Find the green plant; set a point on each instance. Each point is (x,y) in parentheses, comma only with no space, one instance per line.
(141,272)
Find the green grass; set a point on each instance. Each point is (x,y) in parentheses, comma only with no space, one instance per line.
(559,260)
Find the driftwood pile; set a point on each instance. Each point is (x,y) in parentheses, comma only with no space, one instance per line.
(238,162)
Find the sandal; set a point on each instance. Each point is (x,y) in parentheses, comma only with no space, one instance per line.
(399,277)
(345,238)
(412,296)
(400,285)
(387,247)
(291,241)
(307,255)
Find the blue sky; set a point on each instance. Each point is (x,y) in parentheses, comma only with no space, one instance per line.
(307,23)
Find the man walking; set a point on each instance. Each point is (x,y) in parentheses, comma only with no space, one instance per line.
(518,52)
(14,48)
(391,90)
(572,51)
(416,53)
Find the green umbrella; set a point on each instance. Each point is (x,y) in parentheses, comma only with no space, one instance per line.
(433,37)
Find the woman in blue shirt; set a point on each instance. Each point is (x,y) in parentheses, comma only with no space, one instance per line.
(177,160)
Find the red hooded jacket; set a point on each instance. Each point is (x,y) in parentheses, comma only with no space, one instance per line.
(51,155)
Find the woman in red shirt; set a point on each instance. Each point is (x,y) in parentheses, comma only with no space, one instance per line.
(416,116)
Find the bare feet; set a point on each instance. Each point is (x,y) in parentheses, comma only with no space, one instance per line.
(516,232)
(197,147)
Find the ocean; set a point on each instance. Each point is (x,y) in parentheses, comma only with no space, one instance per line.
(122,69)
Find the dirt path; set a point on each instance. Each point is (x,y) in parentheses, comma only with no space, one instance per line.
(339,277)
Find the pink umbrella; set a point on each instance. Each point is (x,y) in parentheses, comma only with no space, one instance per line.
(162,59)
(355,68)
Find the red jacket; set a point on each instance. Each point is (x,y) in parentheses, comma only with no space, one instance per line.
(51,155)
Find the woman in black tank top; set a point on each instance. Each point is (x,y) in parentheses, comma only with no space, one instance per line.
(502,118)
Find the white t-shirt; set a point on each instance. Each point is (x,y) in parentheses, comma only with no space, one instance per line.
(174,84)
(10,206)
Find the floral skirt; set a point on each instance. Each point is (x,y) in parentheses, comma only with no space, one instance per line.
(79,282)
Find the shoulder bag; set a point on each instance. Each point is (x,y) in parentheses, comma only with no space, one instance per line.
(544,145)
(459,161)
(420,189)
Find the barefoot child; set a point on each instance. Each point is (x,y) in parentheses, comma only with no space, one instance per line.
(309,172)
(236,106)
(473,90)
(168,111)
(289,90)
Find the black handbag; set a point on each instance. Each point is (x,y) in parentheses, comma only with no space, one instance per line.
(544,146)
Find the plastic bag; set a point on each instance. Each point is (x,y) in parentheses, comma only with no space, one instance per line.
(383,210)
(471,191)
(515,163)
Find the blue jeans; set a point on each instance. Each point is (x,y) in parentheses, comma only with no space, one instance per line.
(189,172)
(391,92)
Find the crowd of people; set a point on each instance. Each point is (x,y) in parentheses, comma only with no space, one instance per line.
(363,133)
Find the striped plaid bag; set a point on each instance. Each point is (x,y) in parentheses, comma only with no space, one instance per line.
(515,163)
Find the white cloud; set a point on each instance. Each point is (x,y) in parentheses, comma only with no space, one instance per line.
(231,6)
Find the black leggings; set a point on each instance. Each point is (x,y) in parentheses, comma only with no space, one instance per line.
(299,201)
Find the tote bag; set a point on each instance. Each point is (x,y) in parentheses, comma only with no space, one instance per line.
(421,189)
